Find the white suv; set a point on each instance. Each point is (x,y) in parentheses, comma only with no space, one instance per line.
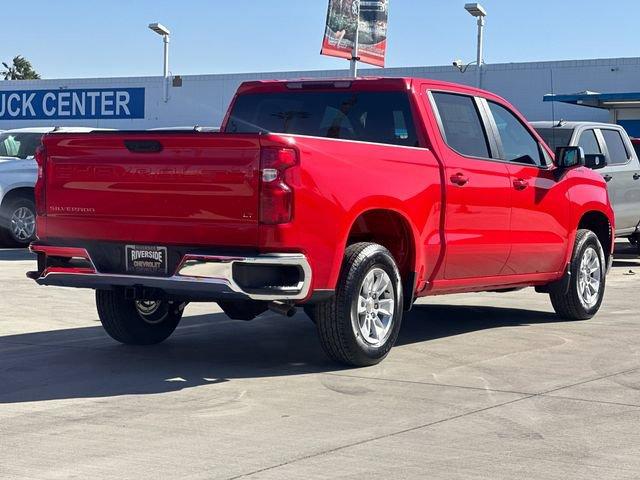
(18,172)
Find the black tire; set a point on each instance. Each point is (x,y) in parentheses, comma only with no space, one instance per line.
(335,318)
(571,304)
(8,236)
(124,322)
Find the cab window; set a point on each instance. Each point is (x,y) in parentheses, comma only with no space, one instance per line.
(19,145)
(518,145)
(461,126)
(589,142)
(618,154)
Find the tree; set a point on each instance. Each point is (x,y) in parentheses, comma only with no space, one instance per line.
(20,69)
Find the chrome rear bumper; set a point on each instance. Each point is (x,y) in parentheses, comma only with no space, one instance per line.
(207,277)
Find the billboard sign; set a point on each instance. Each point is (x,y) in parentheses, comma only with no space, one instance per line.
(369,17)
(72,104)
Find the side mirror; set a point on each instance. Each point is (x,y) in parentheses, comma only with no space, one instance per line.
(569,157)
(595,161)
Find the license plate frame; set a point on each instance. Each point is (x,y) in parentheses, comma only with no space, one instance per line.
(146,260)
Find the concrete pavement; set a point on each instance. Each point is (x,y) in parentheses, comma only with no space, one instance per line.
(480,386)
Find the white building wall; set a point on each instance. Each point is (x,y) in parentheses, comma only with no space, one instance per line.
(203,99)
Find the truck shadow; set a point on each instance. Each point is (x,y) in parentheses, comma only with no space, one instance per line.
(205,350)
(16,254)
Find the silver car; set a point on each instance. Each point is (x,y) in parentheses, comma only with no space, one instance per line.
(622,172)
(18,172)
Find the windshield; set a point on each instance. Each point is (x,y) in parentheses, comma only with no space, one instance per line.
(379,117)
(636,145)
(556,137)
(19,145)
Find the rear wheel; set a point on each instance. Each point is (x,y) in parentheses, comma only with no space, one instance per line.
(587,275)
(137,322)
(360,324)
(18,227)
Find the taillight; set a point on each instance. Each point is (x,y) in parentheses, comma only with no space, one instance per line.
(40,195)
(276,197)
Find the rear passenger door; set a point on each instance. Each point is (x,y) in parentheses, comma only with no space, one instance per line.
(622,176)
(539,239)
(478,190)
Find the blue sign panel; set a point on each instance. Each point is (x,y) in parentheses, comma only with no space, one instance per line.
(91,103)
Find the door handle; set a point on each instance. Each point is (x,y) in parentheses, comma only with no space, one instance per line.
(459,179)
(636,176)
(607,178)
(520,184)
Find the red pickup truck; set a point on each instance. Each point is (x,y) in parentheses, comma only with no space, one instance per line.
(350,198)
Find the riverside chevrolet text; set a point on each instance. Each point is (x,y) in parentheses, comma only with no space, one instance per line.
(348,198)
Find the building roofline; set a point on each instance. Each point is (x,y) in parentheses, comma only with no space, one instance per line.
(389,71)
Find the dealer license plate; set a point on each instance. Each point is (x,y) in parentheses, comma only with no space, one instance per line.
(146,260)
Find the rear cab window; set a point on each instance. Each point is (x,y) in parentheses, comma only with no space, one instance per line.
(618,154)
(461,125)
(556,137)
(376,117)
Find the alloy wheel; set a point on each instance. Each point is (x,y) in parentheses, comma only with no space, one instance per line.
(23,224)
(373,314)
(589,278)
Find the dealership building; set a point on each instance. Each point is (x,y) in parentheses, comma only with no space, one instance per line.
(597,90)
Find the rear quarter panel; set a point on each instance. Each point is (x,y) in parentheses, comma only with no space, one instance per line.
(339,180)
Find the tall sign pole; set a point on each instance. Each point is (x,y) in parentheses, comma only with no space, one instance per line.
(355,50)
(356,31)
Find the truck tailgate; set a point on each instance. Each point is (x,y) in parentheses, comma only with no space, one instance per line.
(147,188)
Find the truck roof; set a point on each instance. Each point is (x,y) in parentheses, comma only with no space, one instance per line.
(572,125)
(44,130)
(366,83)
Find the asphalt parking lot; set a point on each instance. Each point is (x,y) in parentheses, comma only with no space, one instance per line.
(489,386)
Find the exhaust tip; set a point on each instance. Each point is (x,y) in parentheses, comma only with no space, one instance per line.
(283,309)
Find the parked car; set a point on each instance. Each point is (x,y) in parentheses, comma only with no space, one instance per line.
(622,170)
(18,172)
(636,146)
(350,198)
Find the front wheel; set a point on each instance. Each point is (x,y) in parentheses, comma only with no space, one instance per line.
(587,275)
(137,322)
(360,324)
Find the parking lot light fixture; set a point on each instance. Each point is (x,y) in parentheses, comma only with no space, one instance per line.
(165,34)
(478,11)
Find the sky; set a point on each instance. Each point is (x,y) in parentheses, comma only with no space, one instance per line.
(109,38)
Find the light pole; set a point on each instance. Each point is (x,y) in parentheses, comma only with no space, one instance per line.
(165,33)
(478,11)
